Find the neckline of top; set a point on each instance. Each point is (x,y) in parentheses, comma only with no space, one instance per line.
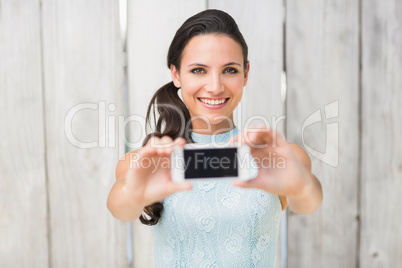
(219,138)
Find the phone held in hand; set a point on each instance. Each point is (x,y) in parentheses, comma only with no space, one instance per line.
(195,162)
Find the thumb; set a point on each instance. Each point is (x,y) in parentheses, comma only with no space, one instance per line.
(234,139)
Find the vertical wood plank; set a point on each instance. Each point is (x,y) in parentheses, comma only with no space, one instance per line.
(83,66)
(261,23)
(262,94)
(23,209)
(381,180)
(151,27)
(322,64)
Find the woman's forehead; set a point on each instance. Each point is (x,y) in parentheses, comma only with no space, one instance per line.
(212,48)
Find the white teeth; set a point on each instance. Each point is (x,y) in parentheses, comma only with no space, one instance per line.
(213,102)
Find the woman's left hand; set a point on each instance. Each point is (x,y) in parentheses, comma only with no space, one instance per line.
(280,171)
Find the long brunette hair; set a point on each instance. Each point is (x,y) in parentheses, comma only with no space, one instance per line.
(174,118)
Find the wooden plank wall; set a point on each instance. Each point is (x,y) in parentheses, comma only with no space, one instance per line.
(261,101)
(82,64)
(23,210)
(322,66)
(381,173)
(342,59)
(156,22)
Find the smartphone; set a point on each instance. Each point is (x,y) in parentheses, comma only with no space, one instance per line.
(195,162)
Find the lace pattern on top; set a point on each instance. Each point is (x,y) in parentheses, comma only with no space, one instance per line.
(217,225)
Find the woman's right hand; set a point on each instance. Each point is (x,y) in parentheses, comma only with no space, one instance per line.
(148,179)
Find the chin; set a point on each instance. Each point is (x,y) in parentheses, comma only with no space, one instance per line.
(216,123)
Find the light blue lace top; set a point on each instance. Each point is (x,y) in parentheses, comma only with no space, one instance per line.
(217,225)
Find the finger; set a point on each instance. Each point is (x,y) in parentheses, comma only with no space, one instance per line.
(260,137)
(168,144)
(241,137)
(258,155)
(159,141)
(166,140)
(257,138)
(234,139)
(147,158)
(163,142)
(147,151)
(279,139)
(269,137)
(180,141)
(156,143)
(273,137)
(165,146)
(151,141)
(176,142)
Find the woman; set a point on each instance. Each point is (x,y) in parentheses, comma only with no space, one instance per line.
(210,223)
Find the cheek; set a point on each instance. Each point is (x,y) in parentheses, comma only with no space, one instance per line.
(236,86)
(187,96)
(238,97)
(235,82)
(189,89)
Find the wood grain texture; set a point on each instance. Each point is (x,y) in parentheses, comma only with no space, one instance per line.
(151,27)
(23,209)
(381,174)
(322,65)
(83,66)
(261,23)
(55,55)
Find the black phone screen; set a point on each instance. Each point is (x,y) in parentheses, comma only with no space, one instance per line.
(210,163)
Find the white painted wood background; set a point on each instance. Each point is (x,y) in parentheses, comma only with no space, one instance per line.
(55,55)
(322,66)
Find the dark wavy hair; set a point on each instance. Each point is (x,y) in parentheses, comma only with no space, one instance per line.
(174,118)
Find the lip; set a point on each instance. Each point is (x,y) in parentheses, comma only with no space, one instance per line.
(209,106)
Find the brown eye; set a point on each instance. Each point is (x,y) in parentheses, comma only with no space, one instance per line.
(198,71)
(230,70)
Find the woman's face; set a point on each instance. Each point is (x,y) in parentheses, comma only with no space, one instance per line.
(211,77)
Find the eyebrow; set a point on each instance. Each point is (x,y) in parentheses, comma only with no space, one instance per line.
(203,65)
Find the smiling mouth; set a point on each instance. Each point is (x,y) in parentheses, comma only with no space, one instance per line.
(214,102)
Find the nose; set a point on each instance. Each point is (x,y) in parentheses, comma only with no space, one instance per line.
(215,85)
